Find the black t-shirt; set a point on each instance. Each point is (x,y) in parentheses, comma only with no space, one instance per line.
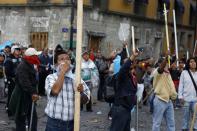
(175,74)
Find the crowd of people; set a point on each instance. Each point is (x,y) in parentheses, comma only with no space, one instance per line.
(26,74)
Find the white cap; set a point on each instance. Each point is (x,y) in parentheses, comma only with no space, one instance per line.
(13,48)
(31,52)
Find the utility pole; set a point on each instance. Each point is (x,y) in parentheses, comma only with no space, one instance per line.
(71,22)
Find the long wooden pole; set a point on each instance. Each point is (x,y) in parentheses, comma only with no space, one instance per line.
(133,38)
(175,37)
(167,37)
(193,118)
(78,63)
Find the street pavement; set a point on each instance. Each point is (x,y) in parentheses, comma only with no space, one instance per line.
(91,121)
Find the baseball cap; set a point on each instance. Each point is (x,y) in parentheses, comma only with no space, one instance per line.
(15,47)
(31,52)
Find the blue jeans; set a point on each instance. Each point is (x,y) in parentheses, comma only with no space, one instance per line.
(163,109)
(59,125)
(188,110)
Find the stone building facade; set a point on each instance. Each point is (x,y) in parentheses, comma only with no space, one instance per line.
(48,24)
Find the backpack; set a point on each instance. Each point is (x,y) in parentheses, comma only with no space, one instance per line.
(111,83)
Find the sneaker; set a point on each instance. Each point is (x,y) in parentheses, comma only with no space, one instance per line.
(110,118)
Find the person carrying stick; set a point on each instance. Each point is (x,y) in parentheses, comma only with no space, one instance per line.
(125,96)
(60,93)
(165,92)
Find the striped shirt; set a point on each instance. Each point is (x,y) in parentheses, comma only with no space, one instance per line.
(61,107)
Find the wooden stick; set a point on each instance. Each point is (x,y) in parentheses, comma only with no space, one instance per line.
(78,64)
(193,118)
(175,37)
(167,36)
(133,38)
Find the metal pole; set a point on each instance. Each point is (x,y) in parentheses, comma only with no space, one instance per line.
(71,23)
(194,117)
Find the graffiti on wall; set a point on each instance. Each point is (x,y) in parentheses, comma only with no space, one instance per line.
(39,22)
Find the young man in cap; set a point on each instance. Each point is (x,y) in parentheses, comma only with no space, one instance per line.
(60,93)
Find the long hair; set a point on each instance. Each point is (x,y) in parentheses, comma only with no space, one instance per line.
(187,66)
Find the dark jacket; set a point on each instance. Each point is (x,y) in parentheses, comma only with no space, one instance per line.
(126,92)
(26,83)
(26,77)
(10,65)
(45,61)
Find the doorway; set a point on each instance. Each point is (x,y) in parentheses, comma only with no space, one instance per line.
(94,43)
(39,40)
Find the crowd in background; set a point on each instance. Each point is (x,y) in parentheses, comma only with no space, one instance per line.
(96,70)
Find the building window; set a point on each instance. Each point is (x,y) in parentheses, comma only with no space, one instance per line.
(193,11)
(182,40)
(179,8)
(140,7)
(160,9)
(147,36)
(39,40)
(37,1)
(100,4)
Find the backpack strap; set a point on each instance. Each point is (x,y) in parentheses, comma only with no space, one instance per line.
(193,80)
